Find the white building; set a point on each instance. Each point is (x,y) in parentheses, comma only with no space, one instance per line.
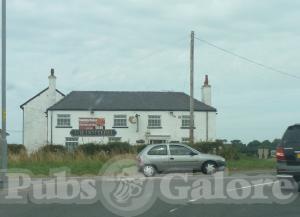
(106,116)
(35,117)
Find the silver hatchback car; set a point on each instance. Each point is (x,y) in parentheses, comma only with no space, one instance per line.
(176,158)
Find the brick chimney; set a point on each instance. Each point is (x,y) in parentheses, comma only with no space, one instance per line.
(206,92)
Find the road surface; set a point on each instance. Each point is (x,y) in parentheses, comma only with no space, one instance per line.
(187,207)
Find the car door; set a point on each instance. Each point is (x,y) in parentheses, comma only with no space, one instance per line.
(182,158)
(158,156)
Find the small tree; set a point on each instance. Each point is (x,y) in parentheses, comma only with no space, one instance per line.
(239,146)
(252,147)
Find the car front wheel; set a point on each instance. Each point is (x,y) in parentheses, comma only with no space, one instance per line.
(149,171)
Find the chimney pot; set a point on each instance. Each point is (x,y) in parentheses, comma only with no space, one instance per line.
(206,80)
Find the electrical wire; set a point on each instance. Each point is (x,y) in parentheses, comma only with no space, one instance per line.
(247,59)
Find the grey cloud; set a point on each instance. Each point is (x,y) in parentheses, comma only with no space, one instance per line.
(109,45)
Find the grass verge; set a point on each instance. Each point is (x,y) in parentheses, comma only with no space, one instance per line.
(40,164)
(251,163)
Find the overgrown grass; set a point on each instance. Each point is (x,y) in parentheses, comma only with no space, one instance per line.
(40,163)
(251,163)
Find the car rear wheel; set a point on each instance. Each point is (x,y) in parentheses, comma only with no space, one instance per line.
(209,168)
(149,170)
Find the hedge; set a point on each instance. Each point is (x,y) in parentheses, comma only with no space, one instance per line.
(16,149)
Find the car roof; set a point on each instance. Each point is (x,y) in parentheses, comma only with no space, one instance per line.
(295,126)
(153,145)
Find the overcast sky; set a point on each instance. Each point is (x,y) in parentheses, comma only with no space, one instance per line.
(144,45)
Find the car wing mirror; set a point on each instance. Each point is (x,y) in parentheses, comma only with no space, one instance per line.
(193,153)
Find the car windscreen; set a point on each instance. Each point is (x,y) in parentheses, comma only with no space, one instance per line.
(291,137)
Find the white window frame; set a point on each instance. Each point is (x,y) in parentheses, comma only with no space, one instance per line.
(120,121)
(154,121)
(63,121)
(185,121)
(185,139)
(71,143)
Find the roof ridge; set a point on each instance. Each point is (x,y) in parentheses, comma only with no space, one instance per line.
(127,91)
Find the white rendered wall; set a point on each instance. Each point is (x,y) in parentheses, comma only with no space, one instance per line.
(35,120)
(171,125)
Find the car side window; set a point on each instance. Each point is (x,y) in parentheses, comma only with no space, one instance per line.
(179,150)
(158,150)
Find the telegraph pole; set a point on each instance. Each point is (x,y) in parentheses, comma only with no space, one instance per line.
(3,132)
(192,89)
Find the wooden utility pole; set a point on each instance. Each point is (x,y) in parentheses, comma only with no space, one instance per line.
(192,89)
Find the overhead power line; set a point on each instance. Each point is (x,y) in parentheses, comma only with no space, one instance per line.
(248,59)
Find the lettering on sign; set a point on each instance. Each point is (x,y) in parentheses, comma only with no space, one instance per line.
(93,133)
(91,123)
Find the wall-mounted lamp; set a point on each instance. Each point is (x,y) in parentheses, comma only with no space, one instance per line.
(172,114)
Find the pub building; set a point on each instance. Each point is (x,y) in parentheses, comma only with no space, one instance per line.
(137,117)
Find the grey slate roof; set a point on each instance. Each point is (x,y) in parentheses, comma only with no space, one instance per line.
(128,101)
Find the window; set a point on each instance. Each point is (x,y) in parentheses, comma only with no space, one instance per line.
(63,120)
(120,121)
(158,150)
(185,121)
(185,140)
(157,141)
(114,139)
(71,143)
(179,150)
(154,121)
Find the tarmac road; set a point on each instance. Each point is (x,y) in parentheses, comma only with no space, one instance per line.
(186,206)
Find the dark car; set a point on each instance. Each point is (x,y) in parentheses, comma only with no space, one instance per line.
(288,154)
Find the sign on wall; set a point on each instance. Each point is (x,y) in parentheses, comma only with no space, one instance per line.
(93,132)
(91,123)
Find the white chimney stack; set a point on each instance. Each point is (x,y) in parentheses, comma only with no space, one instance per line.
(206,92)
(52,80)
(52,87)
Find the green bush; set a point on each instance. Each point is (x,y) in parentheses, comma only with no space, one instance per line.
(230,153)
(119,147)
(91,148)
(114,147)
(208,147)
(53,149)
(16,149)
(138,148)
